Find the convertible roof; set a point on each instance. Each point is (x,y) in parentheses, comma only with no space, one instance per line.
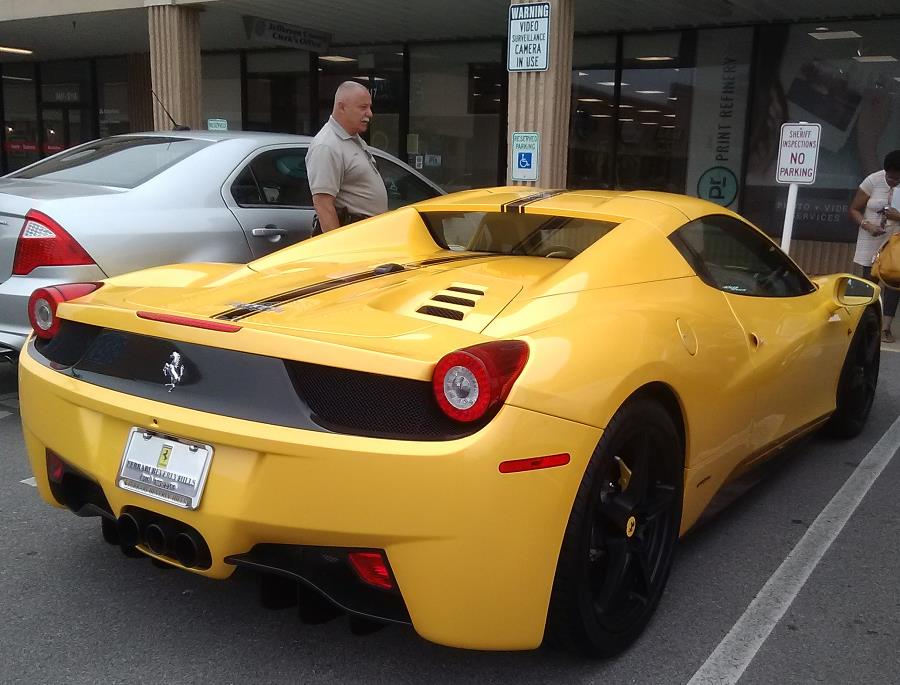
(615,205)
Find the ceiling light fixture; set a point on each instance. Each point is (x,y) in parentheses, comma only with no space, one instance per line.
(875,58)
(601,116)
(589,100)
(833,35)
(649,92)
(16,51)
(17,78)
(656,58)
(648,111)
(626,119)
(626,106)
(336,58)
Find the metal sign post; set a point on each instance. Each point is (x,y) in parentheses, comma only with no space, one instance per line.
(798,158)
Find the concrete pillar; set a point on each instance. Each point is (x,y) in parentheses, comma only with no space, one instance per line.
(140,102)
(175,64)
(540,100)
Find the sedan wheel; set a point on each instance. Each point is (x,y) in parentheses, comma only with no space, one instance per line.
(621,535)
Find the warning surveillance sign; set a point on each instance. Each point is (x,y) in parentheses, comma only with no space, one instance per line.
(529,37)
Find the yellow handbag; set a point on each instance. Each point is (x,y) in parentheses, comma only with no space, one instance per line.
(887,262)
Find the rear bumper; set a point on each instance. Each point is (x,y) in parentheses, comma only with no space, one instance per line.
(15,291)
(473,551)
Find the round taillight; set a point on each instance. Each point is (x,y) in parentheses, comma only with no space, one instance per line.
(470,382)
(43,303)
(42,312)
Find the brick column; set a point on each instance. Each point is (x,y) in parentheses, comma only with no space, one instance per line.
(175,64)
(540,100)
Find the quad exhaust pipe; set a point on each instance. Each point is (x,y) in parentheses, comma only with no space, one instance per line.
(186,547)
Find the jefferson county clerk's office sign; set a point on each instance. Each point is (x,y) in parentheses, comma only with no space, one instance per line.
(529,37)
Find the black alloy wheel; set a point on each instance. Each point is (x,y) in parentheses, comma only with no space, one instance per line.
(620,540)
(858,379)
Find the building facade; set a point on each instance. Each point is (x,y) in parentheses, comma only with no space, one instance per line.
(674,95)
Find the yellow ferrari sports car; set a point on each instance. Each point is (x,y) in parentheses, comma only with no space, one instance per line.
(489,415)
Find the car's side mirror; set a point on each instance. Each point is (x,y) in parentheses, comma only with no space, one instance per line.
(851,291)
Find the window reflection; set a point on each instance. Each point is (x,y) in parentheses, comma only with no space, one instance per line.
(456,96)
(20,115)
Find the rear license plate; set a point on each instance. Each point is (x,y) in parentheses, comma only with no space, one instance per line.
(165,468)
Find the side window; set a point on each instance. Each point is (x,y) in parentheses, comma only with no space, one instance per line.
(733,257)
(279,177)
(403,188)
(244,190)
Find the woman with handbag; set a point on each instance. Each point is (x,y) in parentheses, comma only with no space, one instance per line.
(874,210)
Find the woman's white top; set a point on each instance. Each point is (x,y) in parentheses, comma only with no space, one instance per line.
(880,195)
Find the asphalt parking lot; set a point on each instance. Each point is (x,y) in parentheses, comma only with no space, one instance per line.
(77,611)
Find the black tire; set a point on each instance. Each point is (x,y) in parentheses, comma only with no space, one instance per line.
(609,581)
(858,380)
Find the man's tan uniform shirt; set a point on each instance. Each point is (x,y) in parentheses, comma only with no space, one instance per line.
(341,165)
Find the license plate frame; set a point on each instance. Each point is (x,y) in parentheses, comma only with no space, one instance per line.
(165,468)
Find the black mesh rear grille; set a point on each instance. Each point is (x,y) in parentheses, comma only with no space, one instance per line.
(374,405)
(442,312)
(70,344)
(469,291)
(250,386)
(449,299)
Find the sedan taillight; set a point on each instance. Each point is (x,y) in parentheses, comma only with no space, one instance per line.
(43,242)
(43,303)
(470,382)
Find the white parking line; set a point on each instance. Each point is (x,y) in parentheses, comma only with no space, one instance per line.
(29,481)
(730,659)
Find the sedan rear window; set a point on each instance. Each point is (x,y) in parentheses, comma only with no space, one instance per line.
(121,162)
(512,233)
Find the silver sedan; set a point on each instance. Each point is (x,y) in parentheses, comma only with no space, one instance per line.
(128,202)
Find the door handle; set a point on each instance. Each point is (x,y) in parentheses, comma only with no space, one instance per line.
(270,231)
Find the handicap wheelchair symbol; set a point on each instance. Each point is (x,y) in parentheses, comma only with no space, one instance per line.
(524,160)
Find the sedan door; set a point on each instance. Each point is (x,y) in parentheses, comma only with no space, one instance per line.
(269,196)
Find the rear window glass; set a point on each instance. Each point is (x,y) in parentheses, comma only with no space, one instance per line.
(515,234)
(121,162)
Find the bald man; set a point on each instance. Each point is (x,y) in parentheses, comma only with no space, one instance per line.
(343,178)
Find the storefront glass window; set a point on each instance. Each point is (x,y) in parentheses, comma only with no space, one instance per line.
(20,115)
(221,89)
(654,112)
(844,76)
(591,122)
(457,95)
(66,107)
(278,86)
(112,90)
(380,69)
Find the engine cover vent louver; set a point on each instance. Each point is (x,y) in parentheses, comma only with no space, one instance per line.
(449,299)
(442,312)
(468,291)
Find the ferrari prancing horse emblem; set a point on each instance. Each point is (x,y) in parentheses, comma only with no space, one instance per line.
(173,370)
(164,455)
(630,526)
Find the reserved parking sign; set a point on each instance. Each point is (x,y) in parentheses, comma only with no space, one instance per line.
(525,160)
